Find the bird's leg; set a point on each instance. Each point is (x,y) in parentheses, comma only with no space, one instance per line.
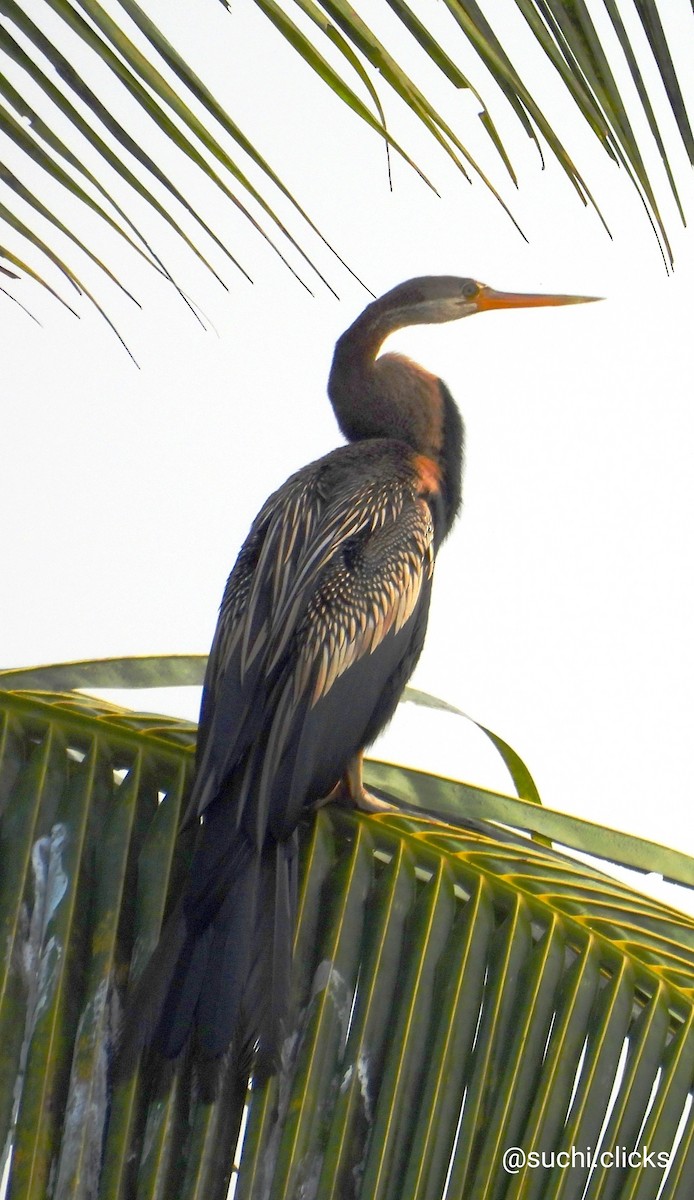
(351,793)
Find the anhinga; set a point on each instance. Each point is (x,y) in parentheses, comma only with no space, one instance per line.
(322,622)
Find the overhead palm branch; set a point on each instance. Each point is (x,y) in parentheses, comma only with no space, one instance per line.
(460,988)
(83,95)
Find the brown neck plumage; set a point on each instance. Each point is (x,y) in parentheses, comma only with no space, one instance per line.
(391,397)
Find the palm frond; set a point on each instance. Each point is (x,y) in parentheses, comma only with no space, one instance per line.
(457,991)
(154,99)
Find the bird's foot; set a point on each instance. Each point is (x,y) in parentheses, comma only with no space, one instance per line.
(367,802)
(350,792)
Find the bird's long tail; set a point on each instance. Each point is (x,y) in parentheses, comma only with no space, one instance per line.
(220,974)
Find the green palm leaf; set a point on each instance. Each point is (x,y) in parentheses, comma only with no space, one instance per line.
(149,73)
(457,991)
(449,798)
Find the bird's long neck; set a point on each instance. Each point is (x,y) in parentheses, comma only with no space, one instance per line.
(392,397)
(387,396)
(352,385)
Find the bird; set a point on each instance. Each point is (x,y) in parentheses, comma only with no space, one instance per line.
(321,624)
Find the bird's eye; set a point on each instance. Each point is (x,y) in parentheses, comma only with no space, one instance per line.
(469,287)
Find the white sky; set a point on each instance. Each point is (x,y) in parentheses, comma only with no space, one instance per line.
(563,600)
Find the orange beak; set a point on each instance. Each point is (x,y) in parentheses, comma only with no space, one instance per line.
(488,298)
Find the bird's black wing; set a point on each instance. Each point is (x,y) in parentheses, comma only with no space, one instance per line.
(332,572)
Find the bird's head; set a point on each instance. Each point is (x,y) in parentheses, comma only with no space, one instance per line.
(432,299)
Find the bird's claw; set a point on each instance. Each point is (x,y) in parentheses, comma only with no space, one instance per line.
(363,800)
